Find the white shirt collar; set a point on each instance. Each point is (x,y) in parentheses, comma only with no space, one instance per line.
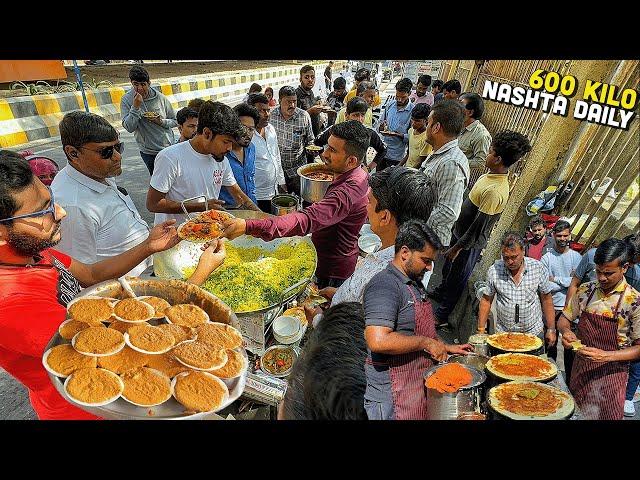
(88,182)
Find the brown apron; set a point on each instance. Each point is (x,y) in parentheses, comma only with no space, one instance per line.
(407,370)
(599,388)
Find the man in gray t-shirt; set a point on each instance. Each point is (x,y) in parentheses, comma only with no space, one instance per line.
(400,330)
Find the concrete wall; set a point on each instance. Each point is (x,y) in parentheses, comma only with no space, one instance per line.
(29,118)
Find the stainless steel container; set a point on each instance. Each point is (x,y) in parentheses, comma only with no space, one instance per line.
(479,344)
(284,203)
(472,360)
(448,406)
(253,324)
(312,190)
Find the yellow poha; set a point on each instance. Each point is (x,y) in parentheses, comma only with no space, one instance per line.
(254,278)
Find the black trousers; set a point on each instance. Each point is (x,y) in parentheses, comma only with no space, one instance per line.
(455,276)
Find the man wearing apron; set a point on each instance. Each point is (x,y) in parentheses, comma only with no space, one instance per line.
(400,331)
(609,330)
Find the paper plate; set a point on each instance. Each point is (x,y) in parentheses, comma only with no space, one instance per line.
(138,349)
(99,404)
(151,312)
(225,398)
(73,344)
(157,372)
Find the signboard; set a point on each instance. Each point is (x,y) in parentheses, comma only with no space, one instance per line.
(31,70)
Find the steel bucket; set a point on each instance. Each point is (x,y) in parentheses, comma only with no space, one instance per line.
(284,203)
(448,406)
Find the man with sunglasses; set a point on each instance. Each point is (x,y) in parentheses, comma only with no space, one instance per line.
(149,115)
(102,220)
(37,282)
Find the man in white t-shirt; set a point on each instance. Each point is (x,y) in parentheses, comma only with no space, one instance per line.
(197,167)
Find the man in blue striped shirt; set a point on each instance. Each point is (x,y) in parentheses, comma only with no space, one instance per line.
(395,123)
(242,157)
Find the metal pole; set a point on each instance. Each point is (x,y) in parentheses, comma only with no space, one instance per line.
(79,77)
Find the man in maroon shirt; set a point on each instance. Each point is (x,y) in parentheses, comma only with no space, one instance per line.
(335,221)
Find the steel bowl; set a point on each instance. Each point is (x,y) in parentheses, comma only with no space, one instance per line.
(449,405)
(313,190)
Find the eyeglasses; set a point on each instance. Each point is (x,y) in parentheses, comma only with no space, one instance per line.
(51,210)
(107,152)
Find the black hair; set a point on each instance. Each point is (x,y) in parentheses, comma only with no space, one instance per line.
(339,83)
(511,239)
(449,114)
(356,137)
(437,84)
(246,110)
(475,103)
(510,146)
(357,105)
(15,176)
(425,80)
(78,128)
(362,74)
(633,241)
(286,91)
(561,225)
(404,85)
(268,88)
(364,86)
(257,98)
(415,234)
(220,119)
(185,114)
(328,380)
(420,111)
(402,191)
(255,88)
(139,74)
(196,103)
(537,220)
(612,249)
(307,68)
(452,86)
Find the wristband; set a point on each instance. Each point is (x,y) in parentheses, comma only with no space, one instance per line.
(551,330)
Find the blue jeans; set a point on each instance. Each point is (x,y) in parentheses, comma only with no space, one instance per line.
(149,160)
(634,379)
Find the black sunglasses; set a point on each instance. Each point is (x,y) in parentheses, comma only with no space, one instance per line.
(107,152)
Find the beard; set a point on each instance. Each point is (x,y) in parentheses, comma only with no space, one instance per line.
(415,275)
(29,246)
(562,243)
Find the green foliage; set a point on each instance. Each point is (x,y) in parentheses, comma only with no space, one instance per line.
(61,86)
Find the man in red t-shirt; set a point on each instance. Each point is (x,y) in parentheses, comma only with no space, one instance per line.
(37,282)
(538,241)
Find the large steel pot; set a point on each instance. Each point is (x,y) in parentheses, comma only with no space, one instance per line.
(313,190)
(253,324)
(447,406)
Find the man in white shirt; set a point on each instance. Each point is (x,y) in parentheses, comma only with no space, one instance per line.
(102,220)
(197,167)
(269,176)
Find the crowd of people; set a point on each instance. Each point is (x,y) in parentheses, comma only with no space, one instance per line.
(367,353)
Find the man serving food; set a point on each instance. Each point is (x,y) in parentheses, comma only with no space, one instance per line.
(335,221)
